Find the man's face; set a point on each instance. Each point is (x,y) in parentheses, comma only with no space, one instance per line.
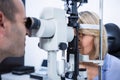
(17,32)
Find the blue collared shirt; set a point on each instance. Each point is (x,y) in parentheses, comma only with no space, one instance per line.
(111,68)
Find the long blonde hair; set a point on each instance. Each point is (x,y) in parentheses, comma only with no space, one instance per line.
(87,17)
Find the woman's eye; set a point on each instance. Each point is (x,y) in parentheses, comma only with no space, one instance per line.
(81,34)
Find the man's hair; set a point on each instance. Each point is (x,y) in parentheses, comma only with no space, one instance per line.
(9,9)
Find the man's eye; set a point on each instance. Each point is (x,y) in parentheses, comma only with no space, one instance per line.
(25,21)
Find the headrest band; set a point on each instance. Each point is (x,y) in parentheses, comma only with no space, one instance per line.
(89,26)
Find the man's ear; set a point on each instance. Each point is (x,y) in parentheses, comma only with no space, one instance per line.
(1,23)
(1,19)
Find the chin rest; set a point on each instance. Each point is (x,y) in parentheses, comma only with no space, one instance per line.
(113,33)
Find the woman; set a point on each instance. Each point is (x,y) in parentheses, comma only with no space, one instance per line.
(89,41)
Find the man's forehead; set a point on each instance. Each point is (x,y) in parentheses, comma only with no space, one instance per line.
(20,6)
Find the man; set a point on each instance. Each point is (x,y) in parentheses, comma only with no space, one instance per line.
(12,28)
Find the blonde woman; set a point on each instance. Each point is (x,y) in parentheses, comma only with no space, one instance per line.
(89,41)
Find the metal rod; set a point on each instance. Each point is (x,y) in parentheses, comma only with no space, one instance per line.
(101,34)
(76,56)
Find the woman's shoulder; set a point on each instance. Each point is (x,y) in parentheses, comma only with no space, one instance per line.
(110,61)
(110,57)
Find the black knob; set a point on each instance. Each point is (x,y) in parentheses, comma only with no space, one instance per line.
(62,46)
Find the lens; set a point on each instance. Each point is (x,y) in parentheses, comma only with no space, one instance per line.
(28,22)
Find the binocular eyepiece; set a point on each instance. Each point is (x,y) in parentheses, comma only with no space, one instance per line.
(32,23)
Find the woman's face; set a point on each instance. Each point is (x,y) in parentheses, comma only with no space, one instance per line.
(86,44)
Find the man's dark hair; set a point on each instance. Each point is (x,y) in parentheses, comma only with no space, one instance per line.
(9,9)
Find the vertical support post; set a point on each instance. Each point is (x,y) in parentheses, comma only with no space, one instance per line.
(101,34)
(52,66)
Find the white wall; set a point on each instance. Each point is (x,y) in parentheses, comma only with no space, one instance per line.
(111,12)
(34,55)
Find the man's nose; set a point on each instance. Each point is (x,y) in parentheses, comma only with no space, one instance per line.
(27,32)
